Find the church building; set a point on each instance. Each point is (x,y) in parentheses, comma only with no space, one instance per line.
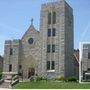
(84,63)
(47,52)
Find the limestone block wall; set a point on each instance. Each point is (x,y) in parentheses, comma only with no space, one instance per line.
(31,53)
(69,43)
(63,40)
(35,54)
(12,59)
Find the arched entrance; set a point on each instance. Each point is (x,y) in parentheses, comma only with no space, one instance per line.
(31,72)
(29,66)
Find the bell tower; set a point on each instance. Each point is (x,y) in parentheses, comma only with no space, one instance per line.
(56,25)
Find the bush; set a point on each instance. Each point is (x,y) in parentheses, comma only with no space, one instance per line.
(71,79)
(42,78)
(60,78)
(39,78)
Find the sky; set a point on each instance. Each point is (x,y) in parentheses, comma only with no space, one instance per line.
(15,18)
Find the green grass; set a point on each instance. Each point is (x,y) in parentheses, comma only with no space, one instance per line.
(51,85)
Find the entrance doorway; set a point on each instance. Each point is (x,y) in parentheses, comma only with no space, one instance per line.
(31,72)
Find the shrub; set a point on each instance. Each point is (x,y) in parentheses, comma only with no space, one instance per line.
(71,79)
(60,78)
(42,78)
(39,78)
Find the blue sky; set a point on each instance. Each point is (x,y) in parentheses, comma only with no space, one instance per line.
(15,17)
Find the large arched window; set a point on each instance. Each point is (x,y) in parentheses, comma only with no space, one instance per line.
(49,18)
(54,17)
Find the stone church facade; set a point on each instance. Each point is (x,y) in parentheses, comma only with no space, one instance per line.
(48,52)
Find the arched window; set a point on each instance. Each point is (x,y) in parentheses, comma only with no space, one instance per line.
(49,18)
(54,17)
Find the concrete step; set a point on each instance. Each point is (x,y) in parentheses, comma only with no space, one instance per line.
(5,85)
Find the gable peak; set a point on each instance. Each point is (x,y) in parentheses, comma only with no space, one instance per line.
(32,21)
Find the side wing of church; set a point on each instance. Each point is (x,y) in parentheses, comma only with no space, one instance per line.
(45,53)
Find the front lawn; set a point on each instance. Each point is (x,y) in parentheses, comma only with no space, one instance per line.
(51,85)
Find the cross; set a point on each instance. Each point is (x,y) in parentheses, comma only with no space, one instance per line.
(32,21)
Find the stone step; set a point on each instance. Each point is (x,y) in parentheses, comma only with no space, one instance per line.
(5,85)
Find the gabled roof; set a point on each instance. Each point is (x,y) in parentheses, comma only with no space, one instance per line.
(76,55)
(31,27)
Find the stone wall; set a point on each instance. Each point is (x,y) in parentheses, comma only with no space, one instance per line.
(31,53)
(11,56)
(34,53)
(63,40)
